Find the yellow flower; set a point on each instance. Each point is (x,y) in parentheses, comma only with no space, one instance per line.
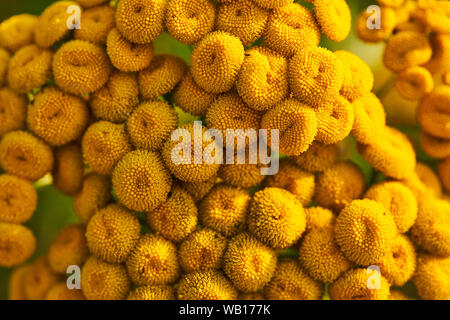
(370,118)
(318,157)
(334,18)
(13,110)
(60,292)
(205,285)
(388,23)
(434,112)
(16,285)
(198,190)
(432,277)
(158,292)
(17,31)
(96,24)
(40,279)
(435,147)
(319,218)
(69,169)
(17,244)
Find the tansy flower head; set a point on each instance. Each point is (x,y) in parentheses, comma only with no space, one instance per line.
(268,4)
(440,60)
(365,232)
(444,173)
(290,282)
(435,147)
(57,117)
(13,111)
(69,248)
(321,257)
(24,155)
(97,22)
(153,261)
(370,118)
(151,124)
(318,157)
(80,67)
(163,74)
(158,292)
(198,190)
(334,18)
(17,244)
(141,181)
(297,125)
(104,144)
(117,99)
(104,281)
(319,218)
(224,209)
(18,199)
(60,292)
(276,217)
(262,81)
(188,21)
(17,31)
(29,68)
(431,277)
(338,185)
(127,56)
(352,285)
(397,200)
(202,250)
(40,279)
(248,263)
(112,233)
(423,182)
(244,175)
(434,113)
(437,17)
(176,218)
(16,285)
(68,170)
(216,61)
(206,285)
(94,195)
(373,35)
(141,21)
(291,28)
(414,83)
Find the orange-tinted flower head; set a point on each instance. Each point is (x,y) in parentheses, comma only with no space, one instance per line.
(334,18)
(17,31)
(69,169)
(96,24)
(206,285)
(17,244)
(13,111)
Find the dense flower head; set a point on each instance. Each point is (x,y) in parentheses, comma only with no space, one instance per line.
(370,118)
(198,190)
(318,157)
(440,60)
(156,292)
(267,4)
(334,18)
(16,285)
(40,279)
(434,112)
(318,218)
(13,111)
(205,285)
(68,169)
(97,22)
(4,62)
(438,148)
(18,199)
(60,291)
(244,175)
(432,277)
(17,31)
(17,244)
(414,83)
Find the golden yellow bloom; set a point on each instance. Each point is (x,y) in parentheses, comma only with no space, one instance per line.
(335,118)
(57,117)
(69,248)
(184,167)
(141,21)
(141,181)
(397,200)
(446,78)
(365,232)
(243,19)
(90,3)
(358,77)
(4,62)
(153,261)
(104,281)
(293,179)
(198,190)
(437,17)
(297,124)
(290,282)
(338,185)
(81,67)
(94,195)
(104,144)
(262,81)
(276,217)
(17,244)
(18,199)
(391,3)
(17,31)
(161,76)
(13,110)
(69,169)
(334,18)
(248,263)
(440,59)
(444,173)
(318,157)
(206,285)
(202,250)
(318,218)
(16,285)
(321,257)
(224,209)
(315,73)
(388,19)
(429,178)
(432,277)
(414,83)
(216,61)
(60,292)
(24,155)
(29,68)
(117,99)
(432,228)
(398,265)
(268,4)
(112,233)
(151,124)
(190,97)
(52,24)
(40,279)
(435,147)
(397,295)
(352,285)
(176,218)
(370,118)
(188,21)
(96,24)
(434,113)
(406,49)
(241,175)
(391,153)
(158,292)
(127,56)
(291,28)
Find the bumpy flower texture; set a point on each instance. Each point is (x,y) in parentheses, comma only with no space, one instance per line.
(100,112)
